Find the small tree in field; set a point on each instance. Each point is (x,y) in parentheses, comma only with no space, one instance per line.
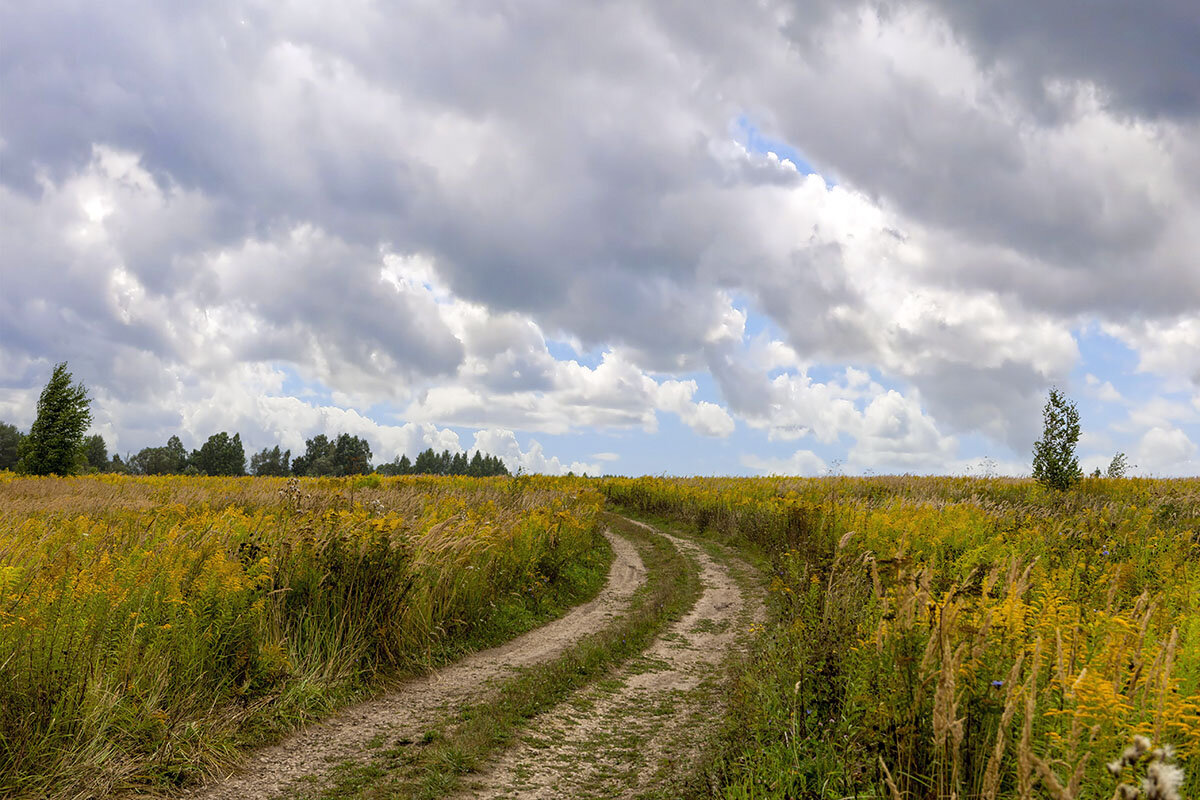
(1055,464)
(54,445)
(1118,465)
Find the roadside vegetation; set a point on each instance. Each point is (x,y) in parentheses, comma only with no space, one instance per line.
(942,637)
(480,731)
(149,627)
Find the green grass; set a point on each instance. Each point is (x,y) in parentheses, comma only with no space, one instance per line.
(512,615)
(461,747)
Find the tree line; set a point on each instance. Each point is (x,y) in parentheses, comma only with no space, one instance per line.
(56,445)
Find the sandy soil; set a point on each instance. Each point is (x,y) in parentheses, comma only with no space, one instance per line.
(415,705)
(630,736)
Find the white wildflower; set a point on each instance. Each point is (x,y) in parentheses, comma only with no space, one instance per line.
(1162,781)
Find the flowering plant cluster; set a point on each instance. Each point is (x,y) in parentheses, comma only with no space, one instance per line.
(148,625)
(941,637)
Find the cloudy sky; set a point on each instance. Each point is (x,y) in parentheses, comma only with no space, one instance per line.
(634,237)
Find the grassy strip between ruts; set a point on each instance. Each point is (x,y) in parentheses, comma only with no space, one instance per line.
(434,766)
(706,737)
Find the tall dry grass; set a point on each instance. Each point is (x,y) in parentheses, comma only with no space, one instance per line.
(151,626)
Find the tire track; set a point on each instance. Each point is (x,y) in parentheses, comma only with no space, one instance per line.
(622,740)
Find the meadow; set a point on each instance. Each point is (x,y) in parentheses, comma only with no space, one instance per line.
(953,637)
(151,627)
(924,637)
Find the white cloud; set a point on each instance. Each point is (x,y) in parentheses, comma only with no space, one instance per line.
(1103,390)
(1170,347)
(1167,451)
(1161,412)
(801,462)
(1095,440)
(706,418)
(503,443)
(897,436)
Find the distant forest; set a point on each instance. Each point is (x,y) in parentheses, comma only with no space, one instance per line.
(223,454)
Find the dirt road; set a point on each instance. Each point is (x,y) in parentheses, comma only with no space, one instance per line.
(417,704)
(639,734)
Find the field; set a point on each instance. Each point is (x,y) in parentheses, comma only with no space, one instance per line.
(921,638)
(956,637)
(150,626)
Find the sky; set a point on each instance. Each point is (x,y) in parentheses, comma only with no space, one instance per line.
(626,237)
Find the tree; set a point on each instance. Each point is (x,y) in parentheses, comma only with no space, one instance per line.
(430,462)
(175,456)
(95,453)
(10,445)
(427,463)
(1055,464)
(54,444)
(351,455)
(150,461)
(345,455)
(172,459)
(1118,466)
(317,459)
(271,462)
(221,455)
(397,466)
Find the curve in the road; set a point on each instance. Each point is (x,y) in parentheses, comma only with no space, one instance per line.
(615,742)
(415,705)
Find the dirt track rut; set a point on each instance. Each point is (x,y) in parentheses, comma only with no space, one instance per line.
(634,735)
(415,705)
